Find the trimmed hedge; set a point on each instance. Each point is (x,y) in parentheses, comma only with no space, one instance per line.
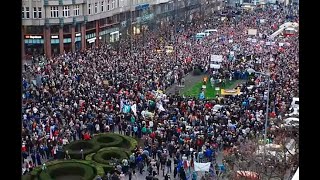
(97,152)
(53,166)
(75,147)
(129,143)
(104,155)
(108,140)
(68,168)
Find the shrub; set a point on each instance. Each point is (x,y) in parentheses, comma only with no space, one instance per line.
(105,155)
(129,143)
(75,147)
(68,168)
(108,140)
(196,71)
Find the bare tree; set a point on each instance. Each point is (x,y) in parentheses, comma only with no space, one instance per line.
(281,157)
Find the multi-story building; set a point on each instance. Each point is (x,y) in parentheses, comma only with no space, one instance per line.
(56,26)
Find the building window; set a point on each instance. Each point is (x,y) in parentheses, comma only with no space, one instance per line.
(66,11)
(39,12)
(34,12)
(89,9)
(108,5)
(27,12)
(54,11)
(76,10)
(112,5)
(95,7)
(22,15)
(102,10)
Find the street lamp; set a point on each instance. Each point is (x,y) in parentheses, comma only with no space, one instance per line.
(267,110)
(174,2)
(82,157)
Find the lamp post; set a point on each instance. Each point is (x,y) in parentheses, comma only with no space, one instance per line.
(82,157)
(174,2)
(267,111)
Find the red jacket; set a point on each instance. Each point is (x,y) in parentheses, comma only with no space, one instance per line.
(86,136)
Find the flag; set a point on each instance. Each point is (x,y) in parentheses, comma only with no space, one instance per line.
(134,109)
(201,166)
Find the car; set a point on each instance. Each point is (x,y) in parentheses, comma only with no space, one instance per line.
(291,122)
(295,103)
(216,108)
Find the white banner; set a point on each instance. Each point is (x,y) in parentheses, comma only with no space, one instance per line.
(215,66)
(201,166)
(252,32)
(254,40)
(216,58)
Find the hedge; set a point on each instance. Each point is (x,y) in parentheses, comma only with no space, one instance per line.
(75,147)
(90,171)
(86,171)
(96,151)
(104,155)
(108,140)
(129,143)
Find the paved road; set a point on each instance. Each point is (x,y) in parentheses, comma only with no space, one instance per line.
(190,80)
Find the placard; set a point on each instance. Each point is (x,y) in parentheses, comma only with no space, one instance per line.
(215,66)
(252,32)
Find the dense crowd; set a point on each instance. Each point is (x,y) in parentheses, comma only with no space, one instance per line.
(104,89)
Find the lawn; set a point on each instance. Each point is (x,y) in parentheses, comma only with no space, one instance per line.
(209,92)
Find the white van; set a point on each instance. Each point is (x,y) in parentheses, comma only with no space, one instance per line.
(200,35)
(295,103)
(210,31)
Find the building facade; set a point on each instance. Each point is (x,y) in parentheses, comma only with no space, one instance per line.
(53,27)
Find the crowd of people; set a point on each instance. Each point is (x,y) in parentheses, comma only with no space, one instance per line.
(103,89)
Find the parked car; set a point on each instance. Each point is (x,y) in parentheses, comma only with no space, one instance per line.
(291,122)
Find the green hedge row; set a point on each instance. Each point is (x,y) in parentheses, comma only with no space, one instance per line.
(97,152)
(74,148)
(82,170)
(105,155)
(86,169)
(98,142)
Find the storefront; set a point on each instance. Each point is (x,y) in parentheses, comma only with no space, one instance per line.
(55,46)
(67,42)
(110,35)
(114,36)
(77,41)
(91,38)
(34,44)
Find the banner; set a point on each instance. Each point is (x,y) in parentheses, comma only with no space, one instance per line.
(230,91)
(202,166)
(216,58)
(252,32)
(215,66)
